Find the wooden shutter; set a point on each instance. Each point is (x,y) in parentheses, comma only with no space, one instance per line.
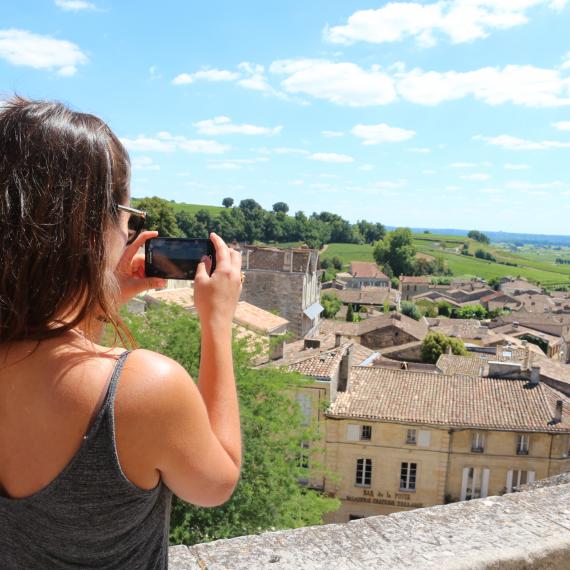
(424,438)
(510,481)
(485,483)
(464,484)
(353,432)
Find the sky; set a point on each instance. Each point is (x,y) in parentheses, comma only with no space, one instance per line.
(448,114)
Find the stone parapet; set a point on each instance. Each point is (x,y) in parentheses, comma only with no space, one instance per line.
(524,530)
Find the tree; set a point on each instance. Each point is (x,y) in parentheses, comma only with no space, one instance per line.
(494,283)
(410,309)
(280,207)
(478,236)
(227,202)
(331,305)
(444,308)
(349,314)
(336,262)
(435,344)
(398,250)
(160,216)
(268,495)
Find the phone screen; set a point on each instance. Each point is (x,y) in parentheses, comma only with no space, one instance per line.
(176,258)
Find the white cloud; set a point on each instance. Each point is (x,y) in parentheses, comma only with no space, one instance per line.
(345,83)
(420,150)
(566,62)
(525,185)
(462,165)
(331,157)
(74,5)
(340,83)
(459,21)
(234,163)
(562,125)
(144,163)
(282,150)
(205,75)
(366,167)
(515,143)
(332,134)
(20,47)
(491,190)
(255,78)
(525,85)
(512,166)
(376,134)
(165,142)
(223,126)
(429,172)
(478,176)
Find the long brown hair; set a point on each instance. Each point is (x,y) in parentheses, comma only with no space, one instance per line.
(62,173)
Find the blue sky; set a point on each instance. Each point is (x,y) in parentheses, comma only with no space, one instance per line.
(433,114)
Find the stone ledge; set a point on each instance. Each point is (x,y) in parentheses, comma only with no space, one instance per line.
(524,530)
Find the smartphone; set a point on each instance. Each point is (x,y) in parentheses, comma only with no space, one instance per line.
(177,258)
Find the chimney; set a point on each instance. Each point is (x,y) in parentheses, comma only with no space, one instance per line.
(311,343)
(337,339)
(276,346)
(535,375)
(404,366)
(397,316)
(558,411)
(515,325)
(449,349)
(344,370)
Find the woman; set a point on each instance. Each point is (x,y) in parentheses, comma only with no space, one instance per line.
(94,440)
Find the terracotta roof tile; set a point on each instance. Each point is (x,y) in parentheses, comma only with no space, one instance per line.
(456,401)
(366,269)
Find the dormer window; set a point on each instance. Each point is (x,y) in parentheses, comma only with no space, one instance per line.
(478,442)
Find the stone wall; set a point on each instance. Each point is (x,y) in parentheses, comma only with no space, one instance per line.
(385,337)
(518,531)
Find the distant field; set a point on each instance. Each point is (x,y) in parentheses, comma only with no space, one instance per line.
(190,208)
(545,272)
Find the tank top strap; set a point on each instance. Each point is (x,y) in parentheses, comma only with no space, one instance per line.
(109,398)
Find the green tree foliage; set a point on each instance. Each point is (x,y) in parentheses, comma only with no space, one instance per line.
(435,344)
(410,309)
(336,262)
(331,305)
(280,207)
(160,216)
(398,250)
(227,202)
(482,254)
(268,495)
(470,312)
(395,283)
(444,308)
(494,283)
(478,236)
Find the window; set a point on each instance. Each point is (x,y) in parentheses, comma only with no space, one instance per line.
(408,477)
(522,444)
(475,483)
(366,432)
(517,477)
(478,442)
(411,437)
(363,473)
(303,456)
(304,401)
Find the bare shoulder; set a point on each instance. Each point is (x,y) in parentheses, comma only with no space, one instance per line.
(153,384)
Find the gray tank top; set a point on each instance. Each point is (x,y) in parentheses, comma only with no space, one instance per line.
(90,515)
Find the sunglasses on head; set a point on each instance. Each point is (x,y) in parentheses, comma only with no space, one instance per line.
(136,222)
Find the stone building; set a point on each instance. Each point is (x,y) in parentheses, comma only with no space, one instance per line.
(284,281)
(399,440)
(366,274)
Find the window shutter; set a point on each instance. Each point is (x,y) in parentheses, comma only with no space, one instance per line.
(352,432)
(485,483)
(424,438)
(510,481)
(464,484)
(530,477)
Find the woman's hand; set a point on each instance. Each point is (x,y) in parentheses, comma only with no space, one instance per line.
(216,296)
(130,270)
